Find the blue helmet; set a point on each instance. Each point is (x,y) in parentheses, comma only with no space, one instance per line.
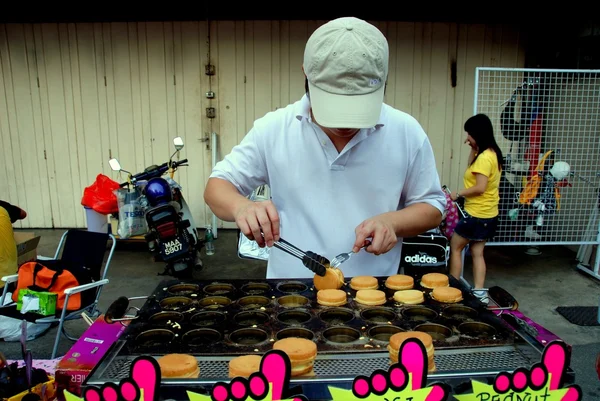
(158,191)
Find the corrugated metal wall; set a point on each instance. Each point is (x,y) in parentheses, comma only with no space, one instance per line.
(77,94)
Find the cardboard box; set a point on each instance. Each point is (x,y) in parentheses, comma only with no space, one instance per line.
(27,244)
(46,391)
(85,354)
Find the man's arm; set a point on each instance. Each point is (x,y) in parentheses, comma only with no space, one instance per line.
(384,229)
(421,207)
(415,219)
(223,198)
(235,177)
(258,221)
(423,198)
(238,174)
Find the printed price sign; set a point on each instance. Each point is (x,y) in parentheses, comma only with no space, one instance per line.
(403,381)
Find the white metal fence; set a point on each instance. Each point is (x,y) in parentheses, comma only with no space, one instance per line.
(547,125)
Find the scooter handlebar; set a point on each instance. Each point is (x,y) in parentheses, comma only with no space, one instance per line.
(156,172)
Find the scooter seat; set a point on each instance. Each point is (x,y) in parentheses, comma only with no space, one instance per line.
(162,212)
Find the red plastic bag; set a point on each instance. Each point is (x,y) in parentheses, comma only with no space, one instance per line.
(100,197)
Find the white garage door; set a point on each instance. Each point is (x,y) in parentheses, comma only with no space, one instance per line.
(77,94)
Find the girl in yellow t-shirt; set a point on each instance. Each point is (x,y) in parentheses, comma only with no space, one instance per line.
(481,182)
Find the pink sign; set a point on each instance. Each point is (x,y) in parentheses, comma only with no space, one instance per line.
(405,381)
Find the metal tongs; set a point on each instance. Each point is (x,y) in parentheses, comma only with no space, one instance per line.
(313,261)
(505,302)
(117,311)
(502,299)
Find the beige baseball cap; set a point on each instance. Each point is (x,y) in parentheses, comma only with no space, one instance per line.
(346,63)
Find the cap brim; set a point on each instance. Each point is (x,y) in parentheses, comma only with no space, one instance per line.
(344,111)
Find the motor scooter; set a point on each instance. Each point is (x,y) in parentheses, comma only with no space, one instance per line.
(171,228)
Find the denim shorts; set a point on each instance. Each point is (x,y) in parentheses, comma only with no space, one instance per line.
(476,229)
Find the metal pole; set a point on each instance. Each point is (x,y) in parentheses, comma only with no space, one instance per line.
(214,163)
(597,260)
(595,272)
(476,86)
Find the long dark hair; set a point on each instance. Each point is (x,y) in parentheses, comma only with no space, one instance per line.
(482,131)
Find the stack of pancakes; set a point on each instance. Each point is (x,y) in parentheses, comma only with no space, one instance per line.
(397,339)
(178,366)
(301,352)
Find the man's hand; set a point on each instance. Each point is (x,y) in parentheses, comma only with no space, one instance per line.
(252,217)
(382,234)
(384,229)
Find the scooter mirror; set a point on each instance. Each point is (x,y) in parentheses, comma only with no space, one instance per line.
(178,142)
(114,164)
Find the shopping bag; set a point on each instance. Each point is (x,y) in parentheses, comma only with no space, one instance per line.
(132,221)
(451,217)
(425,253)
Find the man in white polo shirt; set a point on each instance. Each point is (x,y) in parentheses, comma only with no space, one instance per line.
(343,167)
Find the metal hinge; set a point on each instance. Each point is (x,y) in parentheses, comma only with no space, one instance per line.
(209,69)
(210,112)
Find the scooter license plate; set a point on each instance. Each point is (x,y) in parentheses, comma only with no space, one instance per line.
(172,247)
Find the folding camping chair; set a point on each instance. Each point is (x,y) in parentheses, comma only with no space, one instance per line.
(81,248)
